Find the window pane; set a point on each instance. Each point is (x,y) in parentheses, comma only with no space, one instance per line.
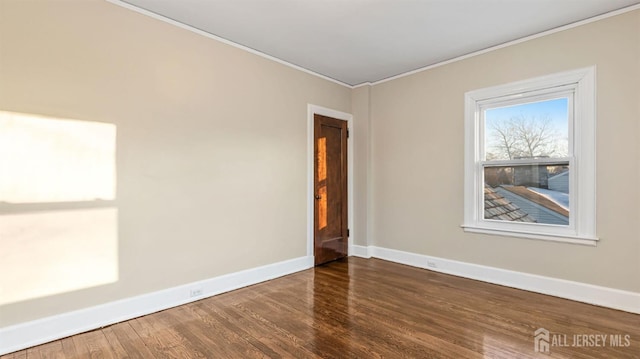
(530,130)
(533,193)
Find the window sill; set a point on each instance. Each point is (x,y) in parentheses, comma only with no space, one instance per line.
(586,241)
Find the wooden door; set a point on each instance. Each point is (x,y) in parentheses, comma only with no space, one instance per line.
(330,185)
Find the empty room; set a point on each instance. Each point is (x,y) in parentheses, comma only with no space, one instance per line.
(319,179)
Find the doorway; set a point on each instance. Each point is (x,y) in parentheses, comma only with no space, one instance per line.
(330,184)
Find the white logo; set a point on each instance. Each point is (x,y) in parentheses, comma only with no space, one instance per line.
(541,341)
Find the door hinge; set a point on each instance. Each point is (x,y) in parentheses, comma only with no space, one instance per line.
(348,232)
(347,133)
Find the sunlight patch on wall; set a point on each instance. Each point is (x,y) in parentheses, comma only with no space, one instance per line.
(56,252)
(58,217)
(54,160)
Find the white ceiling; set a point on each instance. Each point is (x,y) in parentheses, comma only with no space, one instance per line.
(358,41)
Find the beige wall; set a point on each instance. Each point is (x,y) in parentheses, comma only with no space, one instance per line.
(360,109)
(418,141)
(211,140)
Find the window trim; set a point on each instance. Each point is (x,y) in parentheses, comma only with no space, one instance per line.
(582,156)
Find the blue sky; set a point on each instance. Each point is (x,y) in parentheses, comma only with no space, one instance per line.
(556,109)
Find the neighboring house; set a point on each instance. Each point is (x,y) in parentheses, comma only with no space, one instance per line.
(536,205)
(537,176)
(497,207)
(559,182)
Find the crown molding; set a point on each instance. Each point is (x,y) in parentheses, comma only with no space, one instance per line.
(510,43)
(223,40)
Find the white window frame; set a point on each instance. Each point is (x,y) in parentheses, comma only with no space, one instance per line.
(578,85)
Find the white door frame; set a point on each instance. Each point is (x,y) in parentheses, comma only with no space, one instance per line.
(312,110)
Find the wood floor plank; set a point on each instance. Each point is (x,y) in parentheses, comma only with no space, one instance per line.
(358,308)
(93,345)
(51,350)
(317,337)
(224,344)
(162,340)
(232,335)
(17,355)
(126,342)
(260,334)
(69,348)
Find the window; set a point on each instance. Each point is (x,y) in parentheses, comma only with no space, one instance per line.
(530,158)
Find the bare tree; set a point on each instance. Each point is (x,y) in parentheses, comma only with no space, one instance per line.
(522,136)
(505,143)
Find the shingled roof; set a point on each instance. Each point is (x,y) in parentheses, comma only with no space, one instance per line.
(499,208)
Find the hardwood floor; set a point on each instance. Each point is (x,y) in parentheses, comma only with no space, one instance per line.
(360,308)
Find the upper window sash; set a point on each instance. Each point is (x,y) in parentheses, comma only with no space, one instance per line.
(551,93)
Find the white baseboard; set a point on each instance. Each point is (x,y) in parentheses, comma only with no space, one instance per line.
(25,335)
(580,292)
(359,251)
